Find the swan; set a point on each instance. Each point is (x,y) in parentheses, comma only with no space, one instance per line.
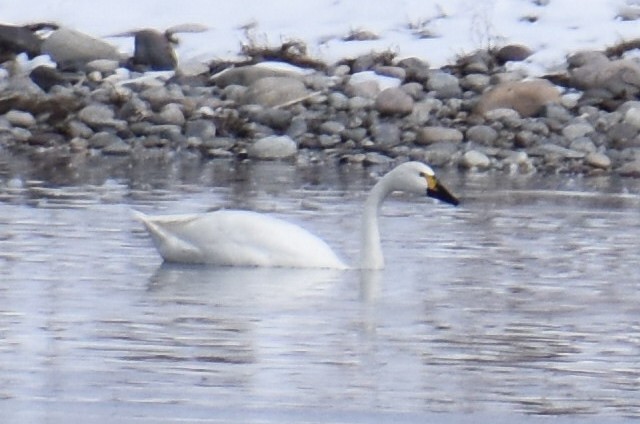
(245,238)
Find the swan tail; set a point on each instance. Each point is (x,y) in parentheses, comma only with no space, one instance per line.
(171,247)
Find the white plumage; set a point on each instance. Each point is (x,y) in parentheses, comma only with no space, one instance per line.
(244,238)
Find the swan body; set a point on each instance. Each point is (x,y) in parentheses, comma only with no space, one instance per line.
(244,238)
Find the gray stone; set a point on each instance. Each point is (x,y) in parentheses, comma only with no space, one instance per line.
(421,112)
(632,117)
(440,153)
(19,118)
(275,91)
(414,89)
(71,48)
(475,82)
(598,160)
(386,135)
(77,129)
(391,71)
(273,147)
(201,128)
(444,85)
(394,101)
(368,89)
(331,128)
(474,159)
(555,150)
(247,75)
(171,114)
(339,101)
(623,135)
(360,103)
(99,115)
(117,148)
(630,169)
(103,139)
(482,134)
(577,130)
(430,135)
(583,144)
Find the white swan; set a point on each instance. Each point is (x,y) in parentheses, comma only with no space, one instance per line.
(244,238)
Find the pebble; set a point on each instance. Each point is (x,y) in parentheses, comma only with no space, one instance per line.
(475,116)
(598,160)
(392,101)
(430,135)
(273,147)
(474,159)
(20,119)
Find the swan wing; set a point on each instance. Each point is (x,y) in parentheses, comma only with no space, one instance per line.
(238,238)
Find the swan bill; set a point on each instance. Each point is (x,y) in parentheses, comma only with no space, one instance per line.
(440,192)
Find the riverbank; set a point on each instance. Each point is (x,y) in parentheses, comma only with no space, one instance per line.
(280,104)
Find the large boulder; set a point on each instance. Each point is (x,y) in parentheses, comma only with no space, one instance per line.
(527,98)
(73,49)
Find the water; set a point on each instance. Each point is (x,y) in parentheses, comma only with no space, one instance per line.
(522,303)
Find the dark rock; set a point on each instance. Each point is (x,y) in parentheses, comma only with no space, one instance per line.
(394,101)
(513,52)
(153,50)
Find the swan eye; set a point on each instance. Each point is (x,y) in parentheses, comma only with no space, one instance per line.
(432,182)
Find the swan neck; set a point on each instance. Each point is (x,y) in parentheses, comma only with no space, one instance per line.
(371,256)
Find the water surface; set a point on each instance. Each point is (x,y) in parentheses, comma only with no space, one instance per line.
(521,303)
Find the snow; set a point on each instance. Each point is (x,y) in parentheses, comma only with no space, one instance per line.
(552,28)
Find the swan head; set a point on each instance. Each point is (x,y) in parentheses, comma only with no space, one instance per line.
(418,178)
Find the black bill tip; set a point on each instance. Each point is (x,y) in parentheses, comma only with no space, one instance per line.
(441,193)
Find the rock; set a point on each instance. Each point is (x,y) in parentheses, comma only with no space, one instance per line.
(18,39)
(430,135)
(444,85)
(117,148)
(630,169)
(513,52)
(368,89)
(623,135)
(170,114)
(394,101)
(440,153)
(632,117)
(103,139)
(275,91)
(19,118)
(332,128)
(583,144)
(278,119)
(598,160)
(200,128)
(339,101)
(273,147)
(247,75)
(550,149)
(474,159)
(47,77)
(577,130)
(153,51)
(72,49)
(482,134)
(593,70)
(528,98)
(391,71)
(386,135)
(104,66)
(475,82)
(99,115)
(416,69)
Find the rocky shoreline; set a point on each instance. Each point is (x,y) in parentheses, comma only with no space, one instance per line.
(474,115)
